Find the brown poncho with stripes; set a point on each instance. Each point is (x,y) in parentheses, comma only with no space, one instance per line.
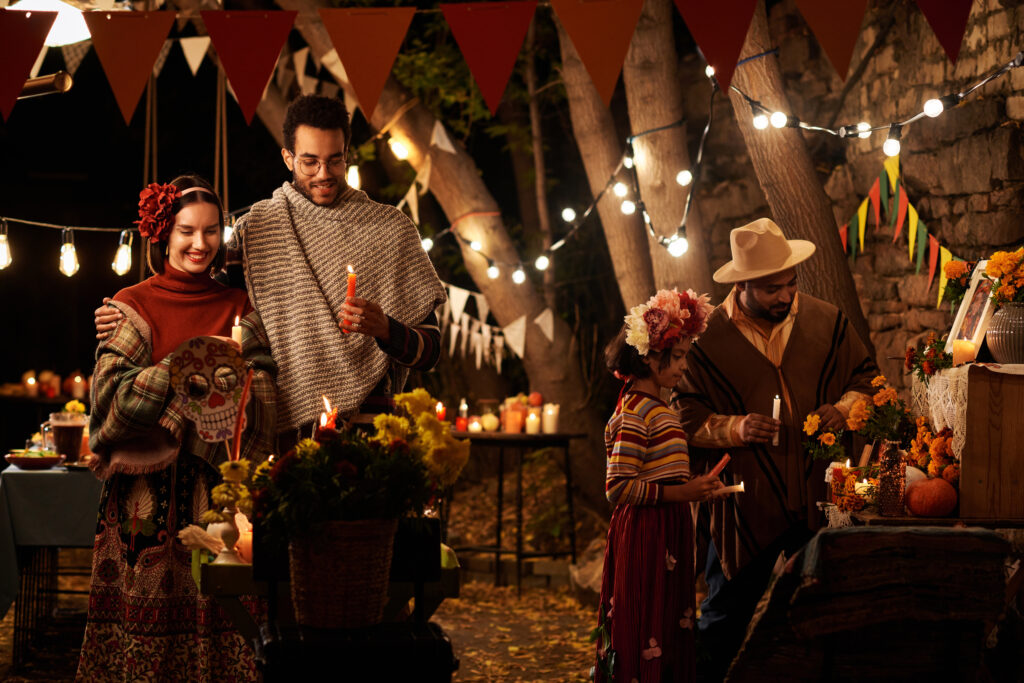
(726,375)
(295,258)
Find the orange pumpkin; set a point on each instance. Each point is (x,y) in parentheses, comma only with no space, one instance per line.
(934,497)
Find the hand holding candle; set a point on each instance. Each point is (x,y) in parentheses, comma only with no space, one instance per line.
(726,490)
(776,410)
(236,333)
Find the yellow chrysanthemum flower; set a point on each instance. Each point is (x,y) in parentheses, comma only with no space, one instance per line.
(389,428)
(306,448)
(416,401)
(234,470)
(811,424)
(75,406)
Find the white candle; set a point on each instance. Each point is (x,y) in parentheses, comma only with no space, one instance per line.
(32,387)
(463,408)
(532,424)
(236,333)
(78,388)
(776,408)
(550,418)
(475,426)
(725,490)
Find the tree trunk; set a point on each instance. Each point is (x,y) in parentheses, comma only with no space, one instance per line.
(601,150)
(655,99)
(790,184)
(539,170)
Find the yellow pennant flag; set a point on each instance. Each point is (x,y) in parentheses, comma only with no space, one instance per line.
(862,221)
(912,212)
(944,258)
(892,170)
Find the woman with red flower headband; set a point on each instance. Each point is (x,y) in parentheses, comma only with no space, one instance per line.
(647,594)
(146,619)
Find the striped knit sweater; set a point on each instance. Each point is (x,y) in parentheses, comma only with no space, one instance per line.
(645,446)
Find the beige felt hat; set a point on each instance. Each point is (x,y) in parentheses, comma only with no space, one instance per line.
(760,249)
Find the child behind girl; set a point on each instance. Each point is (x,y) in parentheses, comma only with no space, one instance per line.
(647,613)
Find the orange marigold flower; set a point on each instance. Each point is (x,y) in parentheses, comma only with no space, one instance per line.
(827,439)
(952,474)
(909,358)
(811,424)
(922,459)
(887,395)
(928,367)
(935,468)
(955,269)
(878,381)
(858,415)
(1006,292)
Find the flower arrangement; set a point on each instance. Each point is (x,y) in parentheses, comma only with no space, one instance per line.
(231,493)
(823,445)
(74,406)
(155,204)
(667,317)
(852,488)
(933,453)
(927,357)
(886,416)
(1006,270)
(958,274)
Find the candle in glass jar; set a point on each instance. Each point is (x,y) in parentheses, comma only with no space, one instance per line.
(32,387)
(550,418)
(236,333)
(513,421)
(776,409)
(475,426)
(532,423)
(461,423)
(963,351)
(78,387)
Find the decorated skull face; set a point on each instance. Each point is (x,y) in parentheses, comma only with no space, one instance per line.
(207,374)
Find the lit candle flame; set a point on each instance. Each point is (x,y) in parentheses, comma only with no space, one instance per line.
(865,481)
(350,269)
(323,419)
(78,379)
(236,320)
(270,459)
(327,404)
(741,487)
(30,380)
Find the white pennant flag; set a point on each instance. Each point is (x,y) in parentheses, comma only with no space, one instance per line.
(486,332)
(317,61)
(39,60)
(195,51)
(74,53)
(478,348)
(307,85)
(454,337)
(439,138)
(458,296)
(333,64)
(482,306)
(161,58)
(515,335)
(546,322)
(465,324)
(442,314)
(413,200)
(105,4)
(499,351)
(423,175)
(283,73)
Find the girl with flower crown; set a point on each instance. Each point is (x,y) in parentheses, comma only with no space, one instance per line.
(146,619)
(647,594)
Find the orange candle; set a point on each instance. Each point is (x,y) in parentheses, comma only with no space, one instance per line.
(351,288)
(440,411)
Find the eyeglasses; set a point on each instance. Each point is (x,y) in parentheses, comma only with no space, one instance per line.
(311,166)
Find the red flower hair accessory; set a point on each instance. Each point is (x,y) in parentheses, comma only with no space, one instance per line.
(667,317)
(155,204)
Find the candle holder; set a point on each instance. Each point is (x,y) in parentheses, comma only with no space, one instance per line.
(892,472)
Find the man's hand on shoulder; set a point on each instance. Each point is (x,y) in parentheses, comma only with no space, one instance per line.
(831,418)
(364,317)
(106,318)
(756,428)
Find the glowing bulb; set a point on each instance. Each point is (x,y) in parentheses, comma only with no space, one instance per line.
(68,259)
(865,129)
(229,231)
(778,119)
(677,246)
(542,262)
(709,71)
(620,189)
(933,107)
(398,148)
(684,177)
(492,272)
(568,214)
(760,121)
(628,208)
(475,245)
(518,276)
(352,177)
(5,247)
(427,243)
(627,161)
(68,28)
(891,147)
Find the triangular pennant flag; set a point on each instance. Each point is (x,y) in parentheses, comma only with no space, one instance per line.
(482,307)
(499,351)
(944,257)
(105,4)
(948,19)
(458,298)
(317,61)
(442,314)
(413,200)
(842,235)
(836,25)
(883,187)
(911,232)
(922,242)
(439,138)
(466,326)
(490,37)
(546,322)
(367,41)
(21,37)
(901,212)
(515,335)
(423,175)
(862,222)
(933,258)
(73,54)
(127,44)
(38,64)
(248,44)
(299,60)
(478,348)
(719,39)
(486,332)
(601,31)
(873,195)
(332,63)
(454,330)
(195,48)
(892,170)
(161,58)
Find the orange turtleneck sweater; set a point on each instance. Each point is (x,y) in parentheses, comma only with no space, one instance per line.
(178,306)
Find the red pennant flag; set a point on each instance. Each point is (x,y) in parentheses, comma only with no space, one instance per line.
(248,44)
(842,235)
(601,31)
(128,44)
(367,41)
(490,36)
(719,39)
(836,25)
(948,19)
(933,258)
(21,38)
(901,213)
(876,202)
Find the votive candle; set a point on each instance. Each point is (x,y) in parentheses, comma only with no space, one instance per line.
(78,387)
(475,426)
(32,387)
(236,333)
(461,423)
(440,411)
(550,418)
(532,424)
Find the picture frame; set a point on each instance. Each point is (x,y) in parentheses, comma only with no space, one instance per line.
(975,311)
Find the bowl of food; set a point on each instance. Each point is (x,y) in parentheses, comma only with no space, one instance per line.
(28,459)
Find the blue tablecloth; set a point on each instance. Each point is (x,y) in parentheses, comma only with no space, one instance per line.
(43,508)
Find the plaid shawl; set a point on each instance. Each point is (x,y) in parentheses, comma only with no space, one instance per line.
(295,258)
(138,424)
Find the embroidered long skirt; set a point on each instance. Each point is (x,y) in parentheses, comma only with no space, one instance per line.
(147,620)
(647,613)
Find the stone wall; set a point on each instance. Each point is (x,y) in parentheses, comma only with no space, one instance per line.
(964,170)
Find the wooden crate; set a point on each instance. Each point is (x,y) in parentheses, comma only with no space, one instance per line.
(992,463)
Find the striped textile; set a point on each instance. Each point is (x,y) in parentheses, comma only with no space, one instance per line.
(644,443)
(295,255)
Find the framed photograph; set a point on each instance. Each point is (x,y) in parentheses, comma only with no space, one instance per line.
(975,311)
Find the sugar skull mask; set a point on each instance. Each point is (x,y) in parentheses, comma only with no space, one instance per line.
(207,374)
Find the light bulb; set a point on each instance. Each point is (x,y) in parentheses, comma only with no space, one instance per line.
(865,129)
(5,246)
(475,245)
(568,214)
(398,148)
(709,71)
(627,161)
(542,262)
(760,121)
(427,243)
(123,257)
(69,26)
(778,119)
(352,177)
(678,245)
(684,177)
(68,259)
(891,148)
(933,107)
(492,272)
(229,231)
(628,208)
(620,189)
(518,276)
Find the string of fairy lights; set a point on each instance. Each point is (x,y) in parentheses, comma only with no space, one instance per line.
(622,183)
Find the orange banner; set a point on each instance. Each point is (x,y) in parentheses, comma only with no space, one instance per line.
(720,40)
(21,38)
(836,25)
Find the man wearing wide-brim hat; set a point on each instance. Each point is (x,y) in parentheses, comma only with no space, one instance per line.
(764,341)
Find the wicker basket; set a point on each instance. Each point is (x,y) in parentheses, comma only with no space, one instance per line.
(339,578)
